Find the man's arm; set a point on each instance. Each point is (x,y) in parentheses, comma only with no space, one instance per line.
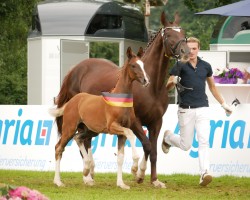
(217,95)
(172,81)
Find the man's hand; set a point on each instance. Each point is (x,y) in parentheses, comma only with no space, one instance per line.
(227,108)
(176,79)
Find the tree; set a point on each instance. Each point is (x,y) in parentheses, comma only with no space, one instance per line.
(15,22)
(195,25)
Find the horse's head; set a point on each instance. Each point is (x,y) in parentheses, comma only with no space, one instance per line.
(174,39)
(135,67)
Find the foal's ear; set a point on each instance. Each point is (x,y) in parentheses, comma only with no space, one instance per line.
(140,52)
(129,53)
(177,18)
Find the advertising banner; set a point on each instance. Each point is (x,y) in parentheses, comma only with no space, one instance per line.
(28,135)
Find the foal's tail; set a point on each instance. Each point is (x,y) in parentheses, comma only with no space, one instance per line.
(57,112)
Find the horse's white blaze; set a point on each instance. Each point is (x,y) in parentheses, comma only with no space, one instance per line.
(141,64)
(177,29)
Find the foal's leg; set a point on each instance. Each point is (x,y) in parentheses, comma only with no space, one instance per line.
(58,157)
(141,171)
(121,142)
(59,148)
(120,160)
(131,138)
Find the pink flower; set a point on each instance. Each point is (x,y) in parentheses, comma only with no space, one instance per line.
(22,193)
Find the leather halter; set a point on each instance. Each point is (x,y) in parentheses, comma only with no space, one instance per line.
(166,41)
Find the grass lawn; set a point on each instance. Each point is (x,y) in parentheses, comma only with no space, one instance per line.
(179,186)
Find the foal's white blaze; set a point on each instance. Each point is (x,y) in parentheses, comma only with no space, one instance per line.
(141,64)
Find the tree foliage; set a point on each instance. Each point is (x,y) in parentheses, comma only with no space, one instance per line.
(15,22)
(199,26)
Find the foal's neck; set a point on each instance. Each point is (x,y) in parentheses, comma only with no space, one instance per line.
(124,83)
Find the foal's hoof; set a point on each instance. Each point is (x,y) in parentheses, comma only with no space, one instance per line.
(59,183)
(88,181)
(86,171)
(134,171)
(159,184)
(123,186)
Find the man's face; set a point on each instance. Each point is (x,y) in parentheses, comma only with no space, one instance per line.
(194,49)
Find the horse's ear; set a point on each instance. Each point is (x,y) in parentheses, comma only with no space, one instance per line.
(163,19)
(177,18)
(140,52)
(129,53)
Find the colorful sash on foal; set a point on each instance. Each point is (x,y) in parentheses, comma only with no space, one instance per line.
(119,100)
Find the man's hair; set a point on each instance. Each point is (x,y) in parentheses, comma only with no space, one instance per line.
(193,39)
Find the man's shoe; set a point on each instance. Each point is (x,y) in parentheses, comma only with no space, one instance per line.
(205,179)
(165,146)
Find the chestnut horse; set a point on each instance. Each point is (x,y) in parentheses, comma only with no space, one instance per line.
(97,75)
(101,114)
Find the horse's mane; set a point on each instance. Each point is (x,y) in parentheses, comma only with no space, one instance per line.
(153,35)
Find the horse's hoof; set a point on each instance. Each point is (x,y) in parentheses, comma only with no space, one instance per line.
(159,184)
(123,186)
(140,180)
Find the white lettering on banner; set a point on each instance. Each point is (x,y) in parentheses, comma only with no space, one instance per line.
(230,168)
(112,165)
(15,163)
(234,135)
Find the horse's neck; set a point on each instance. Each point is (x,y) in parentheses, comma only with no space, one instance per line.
(156,63)
(124,83)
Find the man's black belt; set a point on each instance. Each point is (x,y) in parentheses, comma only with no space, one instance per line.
(188,107)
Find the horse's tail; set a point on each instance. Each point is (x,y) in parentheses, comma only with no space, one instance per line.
(63,97)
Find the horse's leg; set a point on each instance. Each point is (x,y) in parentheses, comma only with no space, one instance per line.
(120,160)
(85,136)
(87,179)
(59,148)
(87,144)
(153,137)
(139,132)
